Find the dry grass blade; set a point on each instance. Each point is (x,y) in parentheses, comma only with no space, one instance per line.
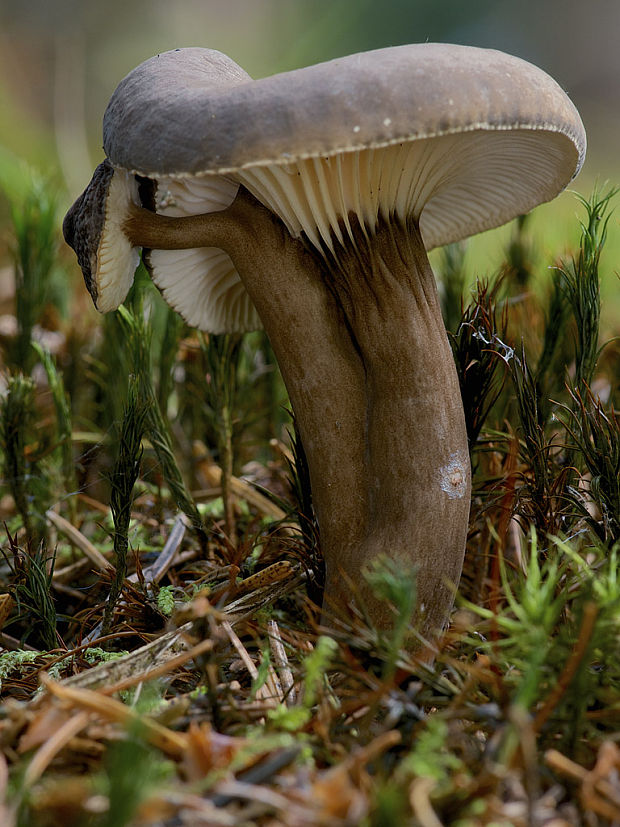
(170,742)
(419,797)
(600,787)
(159,671)
(75,570)
(242,489)
(78,539)
(266,577)
(268,691)
(137,662)
(155,572)
(248,603)
(241,650)
(274,684)
(281,662)
(53,746)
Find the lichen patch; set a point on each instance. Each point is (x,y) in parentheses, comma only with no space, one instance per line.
(453,478)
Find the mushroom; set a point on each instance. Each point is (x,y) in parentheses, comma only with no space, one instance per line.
(348,172)
(109,260)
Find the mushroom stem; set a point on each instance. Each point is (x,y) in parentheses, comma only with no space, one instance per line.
(417,454)
(145,228)
(372,381)
(320,366)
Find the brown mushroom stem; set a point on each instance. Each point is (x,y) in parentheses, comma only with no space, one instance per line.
(144,228)
(417,453)
(375,392)
(320,366)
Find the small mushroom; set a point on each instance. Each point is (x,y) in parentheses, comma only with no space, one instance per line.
(347,173)
(209,294)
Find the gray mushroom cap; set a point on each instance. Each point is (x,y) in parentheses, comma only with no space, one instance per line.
(457,138)
(94,226)
(159,123)
(494,135)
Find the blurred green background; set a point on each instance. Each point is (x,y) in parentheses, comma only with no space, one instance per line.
(60,60)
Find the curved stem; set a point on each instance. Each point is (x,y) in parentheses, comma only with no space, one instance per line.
(417,452)
(320,366)
(145,228)
(366,361)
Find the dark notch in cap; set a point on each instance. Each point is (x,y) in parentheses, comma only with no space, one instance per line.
(83,224)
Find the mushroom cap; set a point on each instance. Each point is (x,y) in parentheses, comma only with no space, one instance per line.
(216,299)
(460,138)
(93,228)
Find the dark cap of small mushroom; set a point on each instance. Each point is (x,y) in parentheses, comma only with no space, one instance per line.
(83,224)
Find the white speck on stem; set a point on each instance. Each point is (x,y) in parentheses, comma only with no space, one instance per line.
(356,128)
(453,477)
